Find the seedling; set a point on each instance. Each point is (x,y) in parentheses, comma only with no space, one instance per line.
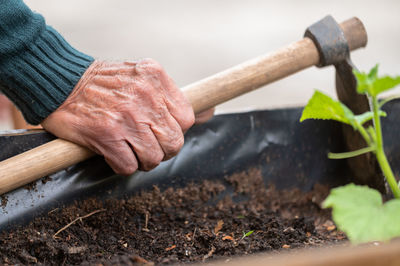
(358,210)
(247,234)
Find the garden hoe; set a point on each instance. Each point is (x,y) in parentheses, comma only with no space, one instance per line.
(325,43)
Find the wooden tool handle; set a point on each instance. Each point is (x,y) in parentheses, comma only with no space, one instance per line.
(39,162)
(265,69)
(59,154)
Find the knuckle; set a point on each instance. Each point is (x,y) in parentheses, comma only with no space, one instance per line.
(151,65)
(146,61)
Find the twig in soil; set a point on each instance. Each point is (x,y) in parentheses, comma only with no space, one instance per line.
(170,248)
(53,210)
(146,222)
(194,235)
(209,254)
(77,219)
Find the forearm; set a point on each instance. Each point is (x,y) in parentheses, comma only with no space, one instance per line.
(38,68)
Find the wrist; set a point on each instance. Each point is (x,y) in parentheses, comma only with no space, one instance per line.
(39,78)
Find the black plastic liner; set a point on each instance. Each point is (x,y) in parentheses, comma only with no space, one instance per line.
(289,154)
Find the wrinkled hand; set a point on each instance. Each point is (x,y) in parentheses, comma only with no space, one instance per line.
(132,113)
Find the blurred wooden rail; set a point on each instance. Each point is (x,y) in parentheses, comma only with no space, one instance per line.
(369,255)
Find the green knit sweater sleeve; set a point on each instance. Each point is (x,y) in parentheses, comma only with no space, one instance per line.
(38,68)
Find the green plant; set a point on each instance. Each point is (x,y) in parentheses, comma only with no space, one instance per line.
(359,210)
(247,234)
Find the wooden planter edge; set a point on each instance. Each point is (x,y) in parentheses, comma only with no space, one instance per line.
(377,254)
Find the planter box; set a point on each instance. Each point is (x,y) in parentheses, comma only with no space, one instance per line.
(285,153)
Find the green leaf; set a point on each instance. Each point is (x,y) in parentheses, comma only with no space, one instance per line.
(385,83)
(364,83)
(373,85)
(373,73)
(321,106)
(359,212)
(247,234)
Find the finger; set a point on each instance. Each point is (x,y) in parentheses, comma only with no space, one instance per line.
(146,147)
(204,116)
(161,126)
(119,156)
(169,135)
(178,105)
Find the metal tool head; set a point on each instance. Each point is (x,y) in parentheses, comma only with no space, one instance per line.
(333,49)
(330,41)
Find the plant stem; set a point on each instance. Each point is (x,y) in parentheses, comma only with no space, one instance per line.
(377,123)
(380,154)
(387,171)
(344,155)
(364,134)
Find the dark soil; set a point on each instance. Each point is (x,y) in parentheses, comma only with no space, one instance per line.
(3,200)
(194,223)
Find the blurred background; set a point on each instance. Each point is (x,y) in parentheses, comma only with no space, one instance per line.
(195,39)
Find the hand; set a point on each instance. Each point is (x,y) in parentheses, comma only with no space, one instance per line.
(132,113)
(204,116)
(5,107)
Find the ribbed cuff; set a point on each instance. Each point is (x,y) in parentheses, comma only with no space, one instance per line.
(40,78)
